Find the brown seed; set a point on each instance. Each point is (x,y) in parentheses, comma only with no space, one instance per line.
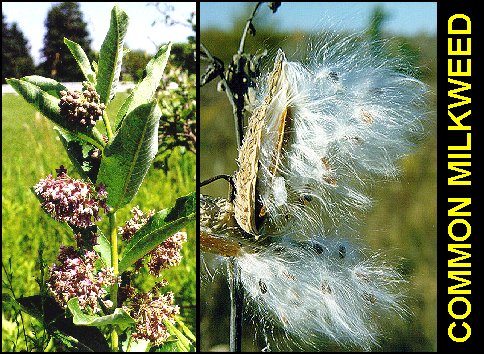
(330,180)
(369,297)
(342,251)
(366,116)
(289,276)
(355,139)
(326,164)
(262,286)
(362,276)
(333,76)
(325,288)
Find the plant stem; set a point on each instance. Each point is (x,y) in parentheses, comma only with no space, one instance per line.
(246,28)
(114,260)
(236,306)
(237,108)
(108,126)
(130,341)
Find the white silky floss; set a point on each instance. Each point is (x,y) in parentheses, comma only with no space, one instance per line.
(350,115)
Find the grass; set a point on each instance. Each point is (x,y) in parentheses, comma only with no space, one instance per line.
(30,151)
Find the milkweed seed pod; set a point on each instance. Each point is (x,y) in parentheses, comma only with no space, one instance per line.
(320,134)
(249,211)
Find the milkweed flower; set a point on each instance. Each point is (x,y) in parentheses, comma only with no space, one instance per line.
(131,226)
(82,109)
(150,310)
(75,275)
(165,255)
(69,200)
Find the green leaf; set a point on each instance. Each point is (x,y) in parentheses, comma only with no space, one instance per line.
(31,89)
(186,330)
(145,90)
(175,332)
(103,248)
(82,60)
(119,317)
(50,86)
(128,157)
(171,346)
(77,150)
(52,315)
(111,55)
(161,226)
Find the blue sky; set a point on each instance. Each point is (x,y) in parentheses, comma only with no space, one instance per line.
(407,18)
(30,17)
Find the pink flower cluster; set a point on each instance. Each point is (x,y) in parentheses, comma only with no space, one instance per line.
(150,310)
(76,276)
(135,223)
(165,255)
(73,201)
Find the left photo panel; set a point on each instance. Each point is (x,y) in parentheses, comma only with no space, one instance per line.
(99,172)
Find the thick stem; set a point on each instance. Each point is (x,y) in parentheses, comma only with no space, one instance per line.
(114,261)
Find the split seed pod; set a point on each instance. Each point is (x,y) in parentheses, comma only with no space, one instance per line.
(249,211)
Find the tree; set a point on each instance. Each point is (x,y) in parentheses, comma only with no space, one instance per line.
(377,18)
(64,20)
(16,59)
(134,63)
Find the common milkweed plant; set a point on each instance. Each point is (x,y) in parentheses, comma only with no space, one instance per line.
(92,284)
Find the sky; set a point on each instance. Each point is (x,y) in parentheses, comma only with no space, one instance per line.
(405,18)
(30,17)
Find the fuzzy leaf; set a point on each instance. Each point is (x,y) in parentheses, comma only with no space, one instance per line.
(82,60)
(119,317)
(50,86)
(145,90)
(31,88)
(158,228)
(111,55)
(128,157)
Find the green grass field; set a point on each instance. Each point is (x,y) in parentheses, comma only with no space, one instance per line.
(30,151)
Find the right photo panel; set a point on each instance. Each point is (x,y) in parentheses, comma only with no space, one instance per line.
(318,176)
